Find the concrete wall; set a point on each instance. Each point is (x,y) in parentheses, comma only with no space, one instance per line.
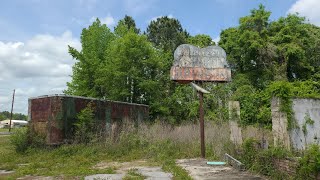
(234,116)
(304,109)
(279,125)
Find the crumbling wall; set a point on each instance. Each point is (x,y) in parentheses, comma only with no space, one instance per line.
(307,117)
(279,124)
(54,116)
(234,116)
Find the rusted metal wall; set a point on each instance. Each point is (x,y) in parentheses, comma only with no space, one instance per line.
(54,116)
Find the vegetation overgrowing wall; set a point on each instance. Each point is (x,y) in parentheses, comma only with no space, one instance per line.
(307,117)
(56,116)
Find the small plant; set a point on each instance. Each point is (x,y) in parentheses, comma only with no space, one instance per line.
(84,127)
(24,138)
(20,139)
(133,174)
(262,161)
(309,121)
(309,164)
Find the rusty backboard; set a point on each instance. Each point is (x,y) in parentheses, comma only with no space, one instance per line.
(195,64)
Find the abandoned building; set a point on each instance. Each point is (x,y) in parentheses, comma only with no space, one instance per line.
(54,115)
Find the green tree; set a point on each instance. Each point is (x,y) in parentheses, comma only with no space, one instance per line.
(132,70)
(95,41)
(166,33)
(284,49)
(2,117)
(201,40)
(126,24)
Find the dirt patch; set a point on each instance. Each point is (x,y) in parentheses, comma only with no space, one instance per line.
(4,173)
(199,170)
(122,168)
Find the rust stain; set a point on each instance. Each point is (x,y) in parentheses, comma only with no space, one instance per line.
(55,115)
(200,74)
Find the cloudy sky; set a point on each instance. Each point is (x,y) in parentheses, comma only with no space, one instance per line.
(35,33)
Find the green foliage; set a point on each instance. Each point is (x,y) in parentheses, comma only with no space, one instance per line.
(166,33)
(84,126)
(23,139)
(308,121)
(125,25)
(264,50)
(95,40)
(18,116)
(216,103)
(20,140)
(125,65)
(283,91)
(262,161)
(201,40)
(133,174)
(286,91)
(309,164)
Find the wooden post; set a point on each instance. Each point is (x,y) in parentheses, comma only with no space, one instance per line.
(11,109)
(203,149)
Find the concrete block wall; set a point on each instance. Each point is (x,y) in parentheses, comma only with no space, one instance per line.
(306,133)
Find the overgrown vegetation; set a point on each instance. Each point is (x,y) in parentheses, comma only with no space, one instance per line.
(264,161)
(269,59)
(309,164)
(85,125)
(158,144)
(278,57)
(24,138)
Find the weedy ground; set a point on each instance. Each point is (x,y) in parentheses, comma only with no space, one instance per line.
(158,144)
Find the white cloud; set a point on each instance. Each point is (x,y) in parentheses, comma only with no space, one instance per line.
(108,20)
(36,67)
(216,39)
(307,8)
(136,7)
(88,4)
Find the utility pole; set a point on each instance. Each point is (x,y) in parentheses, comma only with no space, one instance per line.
(11,109)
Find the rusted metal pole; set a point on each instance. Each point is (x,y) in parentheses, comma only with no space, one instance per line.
(203,149)
(11,109)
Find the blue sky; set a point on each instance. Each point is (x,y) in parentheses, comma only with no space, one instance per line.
(35,33)
(21,20)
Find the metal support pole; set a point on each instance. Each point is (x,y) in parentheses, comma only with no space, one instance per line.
(11,109)
(203,149)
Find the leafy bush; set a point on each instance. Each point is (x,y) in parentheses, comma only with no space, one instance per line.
(309,164)
(84,127)
(20,139)
(262,161)
(24,138)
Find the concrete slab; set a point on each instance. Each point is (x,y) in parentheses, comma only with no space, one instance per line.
(199,170)
(105,177)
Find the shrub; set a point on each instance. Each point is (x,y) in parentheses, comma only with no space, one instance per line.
(309,164)
(20,139)
(84,127)
(24,138)
(262,161)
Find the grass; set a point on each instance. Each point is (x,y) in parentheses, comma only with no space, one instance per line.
(133,174)
(158,144)
(4,130)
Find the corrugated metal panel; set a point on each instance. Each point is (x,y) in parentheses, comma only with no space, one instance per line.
(55,115)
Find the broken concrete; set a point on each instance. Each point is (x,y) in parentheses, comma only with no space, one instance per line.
(279,125)
(151,173)
(199,170)
(234,116)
